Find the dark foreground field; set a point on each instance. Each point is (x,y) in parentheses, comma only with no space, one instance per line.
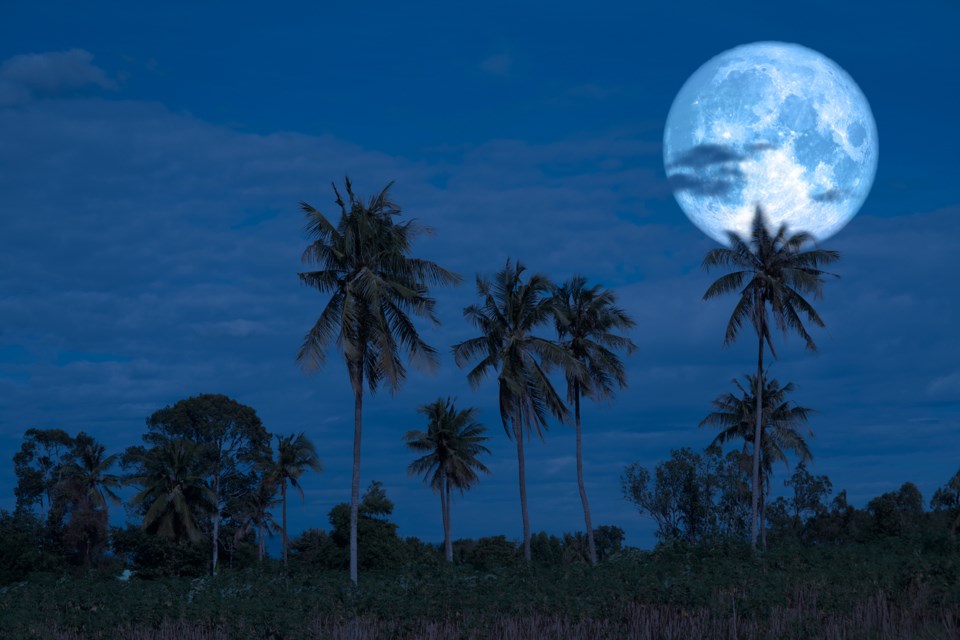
(856,591)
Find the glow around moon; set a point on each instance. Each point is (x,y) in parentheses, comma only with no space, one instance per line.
(773,124)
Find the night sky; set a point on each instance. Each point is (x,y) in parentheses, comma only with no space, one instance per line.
(152,158)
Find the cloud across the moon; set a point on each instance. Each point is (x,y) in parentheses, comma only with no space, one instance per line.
(773,124)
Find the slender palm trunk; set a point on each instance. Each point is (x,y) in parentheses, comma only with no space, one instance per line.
(583,491)
(355,483)
(756,440)
(449,526)
(763,518)
(283,494)
(445,508)
(260,541)
(518,434)
(216,523)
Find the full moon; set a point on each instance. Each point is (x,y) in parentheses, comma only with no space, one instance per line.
(775,125)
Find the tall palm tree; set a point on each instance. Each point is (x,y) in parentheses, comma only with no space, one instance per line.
(172,481)
(586,318)
(294,455)
(452,444)
(779,271)
(782,427)
(509,313)
(374,284)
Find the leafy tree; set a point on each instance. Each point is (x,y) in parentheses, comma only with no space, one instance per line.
(842,524)
(511,310)
(231,437)
(422,554)
(491,552)
(809,493)
(152,556)
(20,548)
(374,284)
(382,548)
(452,444)
(314,548)
(679,497)
(733,503)
(39,465)
(780,426)
(780,272)
(947,499)
(608,540)
(171,476)
(295,454)
(549,549)
(586,319)
(897,513)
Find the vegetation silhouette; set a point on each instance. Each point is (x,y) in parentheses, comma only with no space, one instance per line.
(374,283)
(780,429)
(585,319)
(510,311)
(451,444)
(779,272)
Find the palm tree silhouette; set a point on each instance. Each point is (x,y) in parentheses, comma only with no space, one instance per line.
(511,310)
(779,273)
(452,444)
(85,477)
(294,455)
(585,320)
(374,285)
(172,482)
(781,428)
(254,511)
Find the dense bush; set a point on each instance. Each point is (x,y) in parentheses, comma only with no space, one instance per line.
(153,557)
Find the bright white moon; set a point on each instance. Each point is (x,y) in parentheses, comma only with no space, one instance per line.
(773,124)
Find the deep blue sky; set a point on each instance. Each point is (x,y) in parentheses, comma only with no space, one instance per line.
(152,158)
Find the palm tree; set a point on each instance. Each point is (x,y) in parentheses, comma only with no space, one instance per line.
(172,482)
(86,478)
(781,426)
(374,285)
(779,273)
(452,442)
(294,455)
(254,512)
(585,320)
(511,310)
(84,488)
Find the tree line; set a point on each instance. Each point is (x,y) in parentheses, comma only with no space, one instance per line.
(210,458)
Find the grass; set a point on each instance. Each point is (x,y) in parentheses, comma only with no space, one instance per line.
(869,592)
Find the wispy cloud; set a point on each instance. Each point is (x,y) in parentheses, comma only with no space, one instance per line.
(53,73)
